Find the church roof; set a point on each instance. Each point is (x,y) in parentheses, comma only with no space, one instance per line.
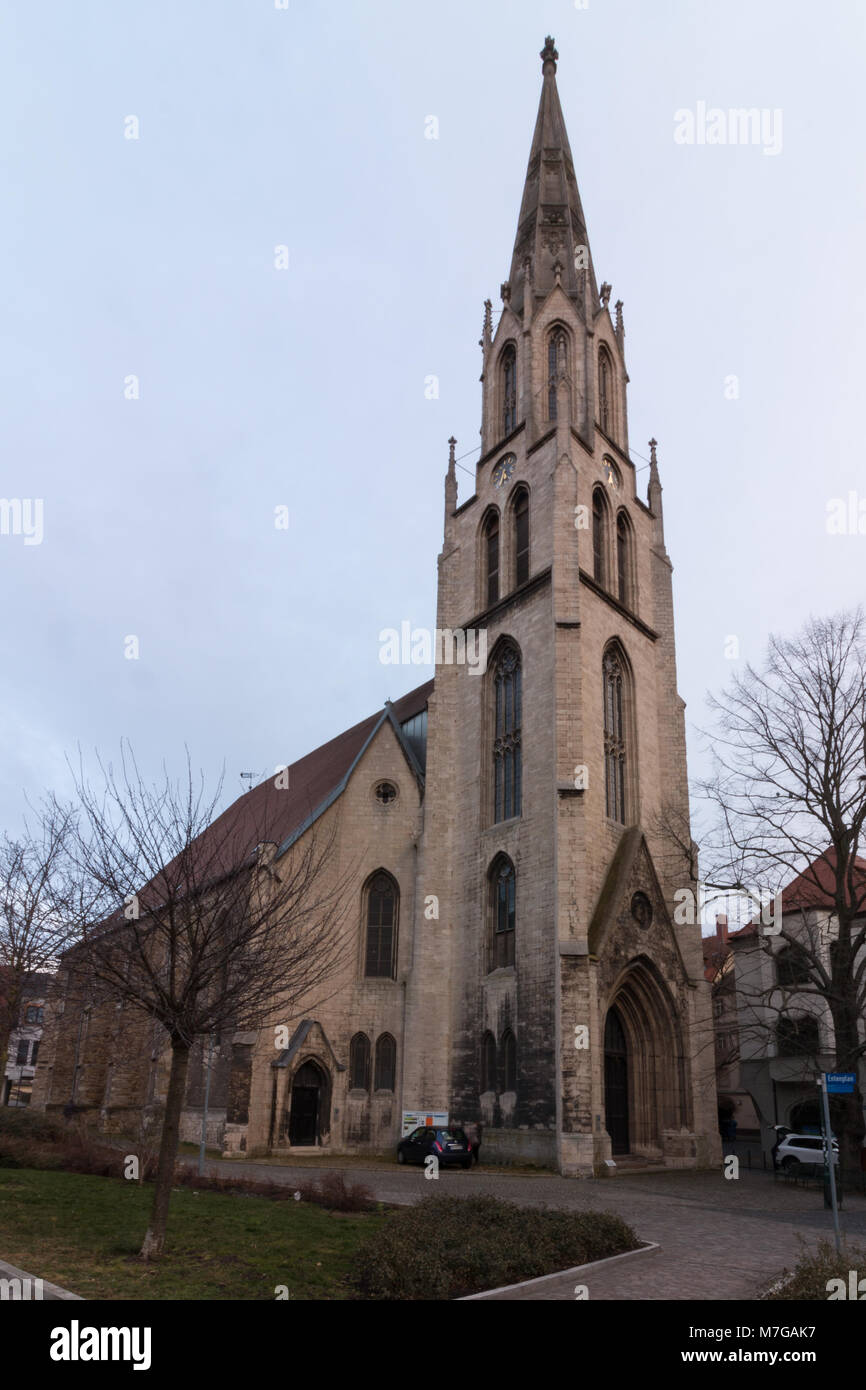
(551,227)
(280,814)
(315,781)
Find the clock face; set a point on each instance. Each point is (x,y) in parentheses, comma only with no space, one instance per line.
(503,470)
(612,474)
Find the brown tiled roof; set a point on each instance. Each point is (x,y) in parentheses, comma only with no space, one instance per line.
(314,781)
(814,887)
(275,814)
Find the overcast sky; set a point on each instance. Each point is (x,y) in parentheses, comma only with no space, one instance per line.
(259,386)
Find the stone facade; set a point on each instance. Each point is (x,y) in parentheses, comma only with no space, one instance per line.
(595,1002)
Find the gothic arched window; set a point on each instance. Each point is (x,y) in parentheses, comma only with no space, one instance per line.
(623,559)
(382,903)
(491,557)
(359,1062)
(509,1061)
(614,735)
(605,390)
(557,358)
(488,1062)
(507,774)
(509,390)
(797,1037)
(599,536)
(386,1063)
(792,966)
(501,913)
(520,508)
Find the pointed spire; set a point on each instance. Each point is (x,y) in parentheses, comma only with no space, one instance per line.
(551,227)
(654,493)
(487,329)
(654,463)
(450,484)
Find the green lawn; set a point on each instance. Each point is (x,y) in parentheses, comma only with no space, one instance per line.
(84,1234)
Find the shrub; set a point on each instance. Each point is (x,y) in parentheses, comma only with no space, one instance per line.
(31,1124)
(814,1269)
(447,1247)
(332,1191)
(36,1140)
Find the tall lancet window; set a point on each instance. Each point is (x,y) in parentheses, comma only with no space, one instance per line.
(507,774)
(382,908)
(502,914)
(599,536)
(623,560)
(491,558)
(605,391)
(521,536)
(509,390)
(557,349)
(614,735)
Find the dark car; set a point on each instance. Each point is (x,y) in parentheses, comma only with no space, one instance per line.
(444,1144)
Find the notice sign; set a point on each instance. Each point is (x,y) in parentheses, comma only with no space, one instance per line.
(433,1119)
(840,1083)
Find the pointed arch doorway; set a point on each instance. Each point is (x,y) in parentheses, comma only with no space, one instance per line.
(616,1082)
(308,1111)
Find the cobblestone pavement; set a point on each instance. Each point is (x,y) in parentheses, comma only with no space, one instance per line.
(720,1239)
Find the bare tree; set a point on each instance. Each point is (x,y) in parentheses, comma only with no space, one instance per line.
(40,909)
(787,798)
(206,926)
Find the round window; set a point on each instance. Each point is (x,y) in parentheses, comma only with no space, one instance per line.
(386,793)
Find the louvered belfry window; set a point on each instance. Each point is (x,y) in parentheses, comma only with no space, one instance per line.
(491,536)
(605,404)
(509,390)
(614,738)
(521,537)
(556,362)
(622,575)
(507,773)
(599,528)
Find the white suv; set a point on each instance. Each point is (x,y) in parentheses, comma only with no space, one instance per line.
(803,1148)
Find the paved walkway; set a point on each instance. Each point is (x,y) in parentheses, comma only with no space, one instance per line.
(720,1239)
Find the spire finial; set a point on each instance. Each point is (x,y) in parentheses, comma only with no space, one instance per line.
(487,328)
(620,328)
(548,57)
(654,495)
(452,444)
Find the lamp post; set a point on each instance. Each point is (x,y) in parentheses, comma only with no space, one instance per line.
(828,1160)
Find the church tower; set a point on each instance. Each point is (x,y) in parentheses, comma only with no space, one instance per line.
(554,999)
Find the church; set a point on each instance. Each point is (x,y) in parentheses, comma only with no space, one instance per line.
(515,965)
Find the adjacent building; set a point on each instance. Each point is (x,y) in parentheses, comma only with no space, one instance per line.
(25,1041)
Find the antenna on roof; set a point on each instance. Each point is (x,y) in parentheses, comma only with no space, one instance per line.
(250,778)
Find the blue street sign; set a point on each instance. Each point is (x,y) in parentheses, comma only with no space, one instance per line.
(840,1083)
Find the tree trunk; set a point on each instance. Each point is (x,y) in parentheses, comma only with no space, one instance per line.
(851,1106)
(154,1240)
(5,1034)
(10,1017)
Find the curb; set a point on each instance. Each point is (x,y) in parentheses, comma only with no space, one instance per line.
(649,1247)
(43,1290)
